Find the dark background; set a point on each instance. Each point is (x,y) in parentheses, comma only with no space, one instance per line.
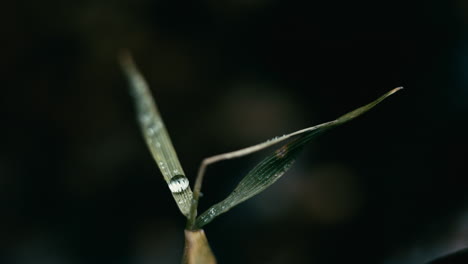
(78,185)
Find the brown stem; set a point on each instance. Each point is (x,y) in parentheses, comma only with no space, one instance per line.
(197,250)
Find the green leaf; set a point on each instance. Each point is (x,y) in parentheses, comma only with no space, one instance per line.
(156,136)
(270,169)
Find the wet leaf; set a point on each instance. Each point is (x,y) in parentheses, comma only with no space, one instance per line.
(156,136)
(270,169)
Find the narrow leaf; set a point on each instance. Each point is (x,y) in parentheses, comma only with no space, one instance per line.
(270,169)
(156,136)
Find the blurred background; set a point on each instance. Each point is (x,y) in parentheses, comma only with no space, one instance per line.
(78,185)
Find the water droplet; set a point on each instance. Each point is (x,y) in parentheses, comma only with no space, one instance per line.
(178,184)
(156,127)
(212,212)
(146,118)
(281,153)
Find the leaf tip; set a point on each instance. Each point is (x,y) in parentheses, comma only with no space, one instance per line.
(126,61)
(395,90)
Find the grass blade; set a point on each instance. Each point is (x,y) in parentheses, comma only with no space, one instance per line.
(156,136)
(270,169)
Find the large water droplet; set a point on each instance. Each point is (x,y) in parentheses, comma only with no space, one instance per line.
(178,184)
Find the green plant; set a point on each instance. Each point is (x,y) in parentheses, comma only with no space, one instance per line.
(265,173)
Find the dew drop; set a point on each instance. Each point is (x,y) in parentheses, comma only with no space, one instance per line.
(146,118)
(178,184)
(212,212)
(281,153)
